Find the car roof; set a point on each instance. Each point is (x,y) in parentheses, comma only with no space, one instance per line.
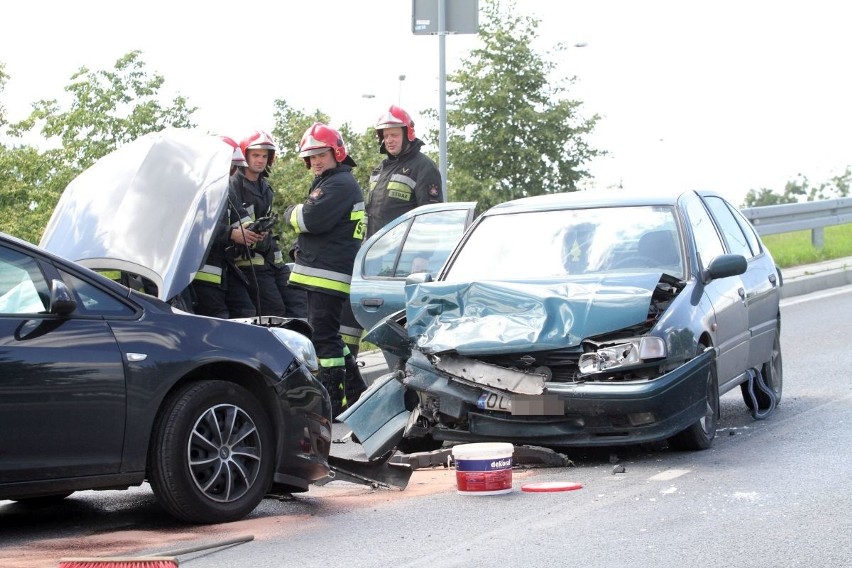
(586,199)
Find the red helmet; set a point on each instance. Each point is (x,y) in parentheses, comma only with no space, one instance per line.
(238,159)
(319,138)
(260,140)
(395,117)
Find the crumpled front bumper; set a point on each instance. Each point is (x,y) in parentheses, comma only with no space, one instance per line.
(594,413)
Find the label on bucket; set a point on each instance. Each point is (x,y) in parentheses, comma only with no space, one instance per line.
(484,475)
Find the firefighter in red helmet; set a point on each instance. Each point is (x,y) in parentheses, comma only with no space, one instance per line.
(405,179)
(253,194)
(219,287)
(330,228)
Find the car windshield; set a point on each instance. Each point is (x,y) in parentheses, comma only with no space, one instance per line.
(551,244)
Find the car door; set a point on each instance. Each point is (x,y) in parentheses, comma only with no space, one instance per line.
(418,241)
(726,295)
(760,280)
(62,391)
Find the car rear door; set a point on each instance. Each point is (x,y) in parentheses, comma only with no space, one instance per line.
(62,389)
(418,241)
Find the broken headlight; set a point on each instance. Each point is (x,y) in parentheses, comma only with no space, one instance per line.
(624,354)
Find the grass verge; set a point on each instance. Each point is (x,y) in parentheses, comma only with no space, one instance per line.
(793,249)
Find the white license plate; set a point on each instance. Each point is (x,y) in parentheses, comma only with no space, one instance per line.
(522,405)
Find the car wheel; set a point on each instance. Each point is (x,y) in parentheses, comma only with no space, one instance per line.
(773,376)
(212,452)
(700,435)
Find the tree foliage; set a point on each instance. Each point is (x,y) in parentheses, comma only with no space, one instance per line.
(801,189)
(107,109)
(512,131)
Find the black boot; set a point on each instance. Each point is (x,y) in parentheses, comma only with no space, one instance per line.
(355,384)
(332,378)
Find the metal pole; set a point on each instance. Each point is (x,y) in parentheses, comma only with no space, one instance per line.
(442,93)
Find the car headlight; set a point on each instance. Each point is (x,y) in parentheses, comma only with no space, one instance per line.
(299,345)
(624,354)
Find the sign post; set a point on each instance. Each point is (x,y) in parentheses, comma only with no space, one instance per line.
(431,17)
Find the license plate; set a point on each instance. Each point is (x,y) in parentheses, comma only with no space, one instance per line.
(522,405)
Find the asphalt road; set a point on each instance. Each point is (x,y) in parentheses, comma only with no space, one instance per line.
(770,493)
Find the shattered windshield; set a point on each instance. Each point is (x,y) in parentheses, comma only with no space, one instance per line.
(550,244)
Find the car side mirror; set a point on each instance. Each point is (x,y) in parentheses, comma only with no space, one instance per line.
(62,302)
(418,278)
(723,266)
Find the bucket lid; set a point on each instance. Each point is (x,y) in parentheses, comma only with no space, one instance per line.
(483,449)
(549,486)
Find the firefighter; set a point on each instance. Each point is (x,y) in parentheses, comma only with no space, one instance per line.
(330,228)
(254,195)
(219,287)
(405,179)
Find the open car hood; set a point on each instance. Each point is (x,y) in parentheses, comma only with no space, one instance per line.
(149,208)
(494,318)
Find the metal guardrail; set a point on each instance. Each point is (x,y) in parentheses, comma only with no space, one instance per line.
(813,215)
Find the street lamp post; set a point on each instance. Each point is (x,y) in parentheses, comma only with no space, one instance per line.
(399,95)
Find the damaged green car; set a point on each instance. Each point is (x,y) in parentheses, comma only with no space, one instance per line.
(579,319)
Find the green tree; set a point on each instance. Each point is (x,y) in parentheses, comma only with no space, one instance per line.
(765,196)
(800,189)
(512,129)
(107,109)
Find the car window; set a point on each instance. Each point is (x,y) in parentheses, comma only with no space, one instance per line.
(556,243)
(94,301)
(707,241)
(429,242)
(421,244)
(23,289)
(748,231)
(381,259)
(732,230)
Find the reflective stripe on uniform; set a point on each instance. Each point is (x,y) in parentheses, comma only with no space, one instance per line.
(399,190)
(111,274)
(357,212)
(319,278)
(350,335)
(255,260)
(297,219)
(209,273)
(332,362)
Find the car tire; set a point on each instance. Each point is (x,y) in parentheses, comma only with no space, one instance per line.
(212,452)
(773,375)
(700,435)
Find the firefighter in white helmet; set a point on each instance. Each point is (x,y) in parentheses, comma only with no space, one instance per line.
(405,179)
(330,228)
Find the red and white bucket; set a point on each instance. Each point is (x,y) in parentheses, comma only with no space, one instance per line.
(484,468)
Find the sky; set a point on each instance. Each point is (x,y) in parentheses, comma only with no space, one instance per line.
(728,95)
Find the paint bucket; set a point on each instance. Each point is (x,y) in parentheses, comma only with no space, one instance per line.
(483,468)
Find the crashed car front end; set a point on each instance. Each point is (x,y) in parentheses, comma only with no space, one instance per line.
(632,375)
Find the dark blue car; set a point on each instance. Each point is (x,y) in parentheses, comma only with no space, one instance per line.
(106,386)
(578,319)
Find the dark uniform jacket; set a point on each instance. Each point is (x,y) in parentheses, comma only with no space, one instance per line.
(400,184)
(254,200)
(330,225)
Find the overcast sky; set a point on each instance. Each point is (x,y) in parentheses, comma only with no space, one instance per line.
(726,95)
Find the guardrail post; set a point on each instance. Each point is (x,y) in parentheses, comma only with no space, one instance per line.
(818,238)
